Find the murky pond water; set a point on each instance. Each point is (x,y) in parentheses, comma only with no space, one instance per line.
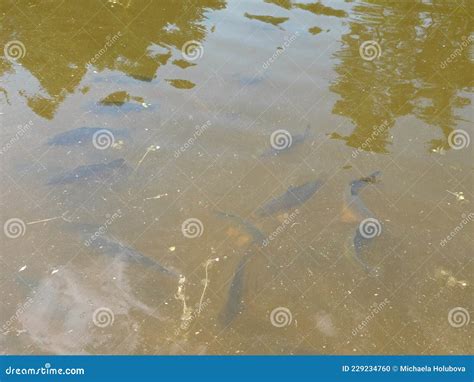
(232,177)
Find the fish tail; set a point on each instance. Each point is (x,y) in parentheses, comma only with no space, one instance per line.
(234,302)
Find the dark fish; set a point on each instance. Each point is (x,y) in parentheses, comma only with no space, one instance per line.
(354,202)
(357,185)
(361,243)
(291,198)
(108,245)
(94,172)
(296,140)
(84,135)
(234,303)
(257,235)
(248,80)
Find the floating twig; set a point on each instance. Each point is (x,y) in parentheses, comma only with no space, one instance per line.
(206,282)
(150,148)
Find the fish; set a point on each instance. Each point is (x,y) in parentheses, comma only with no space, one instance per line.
(359,184)
(84,135)
(94,172)
(246,80)
(354,209)
(234,304)
(108,245)
(296,140)
(293,197)
(360,242)
(257,235)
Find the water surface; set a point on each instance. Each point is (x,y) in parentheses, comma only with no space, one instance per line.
(198,93)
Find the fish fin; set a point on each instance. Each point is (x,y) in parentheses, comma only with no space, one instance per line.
(348,215)
(243,240)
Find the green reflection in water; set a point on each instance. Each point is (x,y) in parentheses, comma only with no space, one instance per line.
(409,76)
(62,39)
(267,19)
